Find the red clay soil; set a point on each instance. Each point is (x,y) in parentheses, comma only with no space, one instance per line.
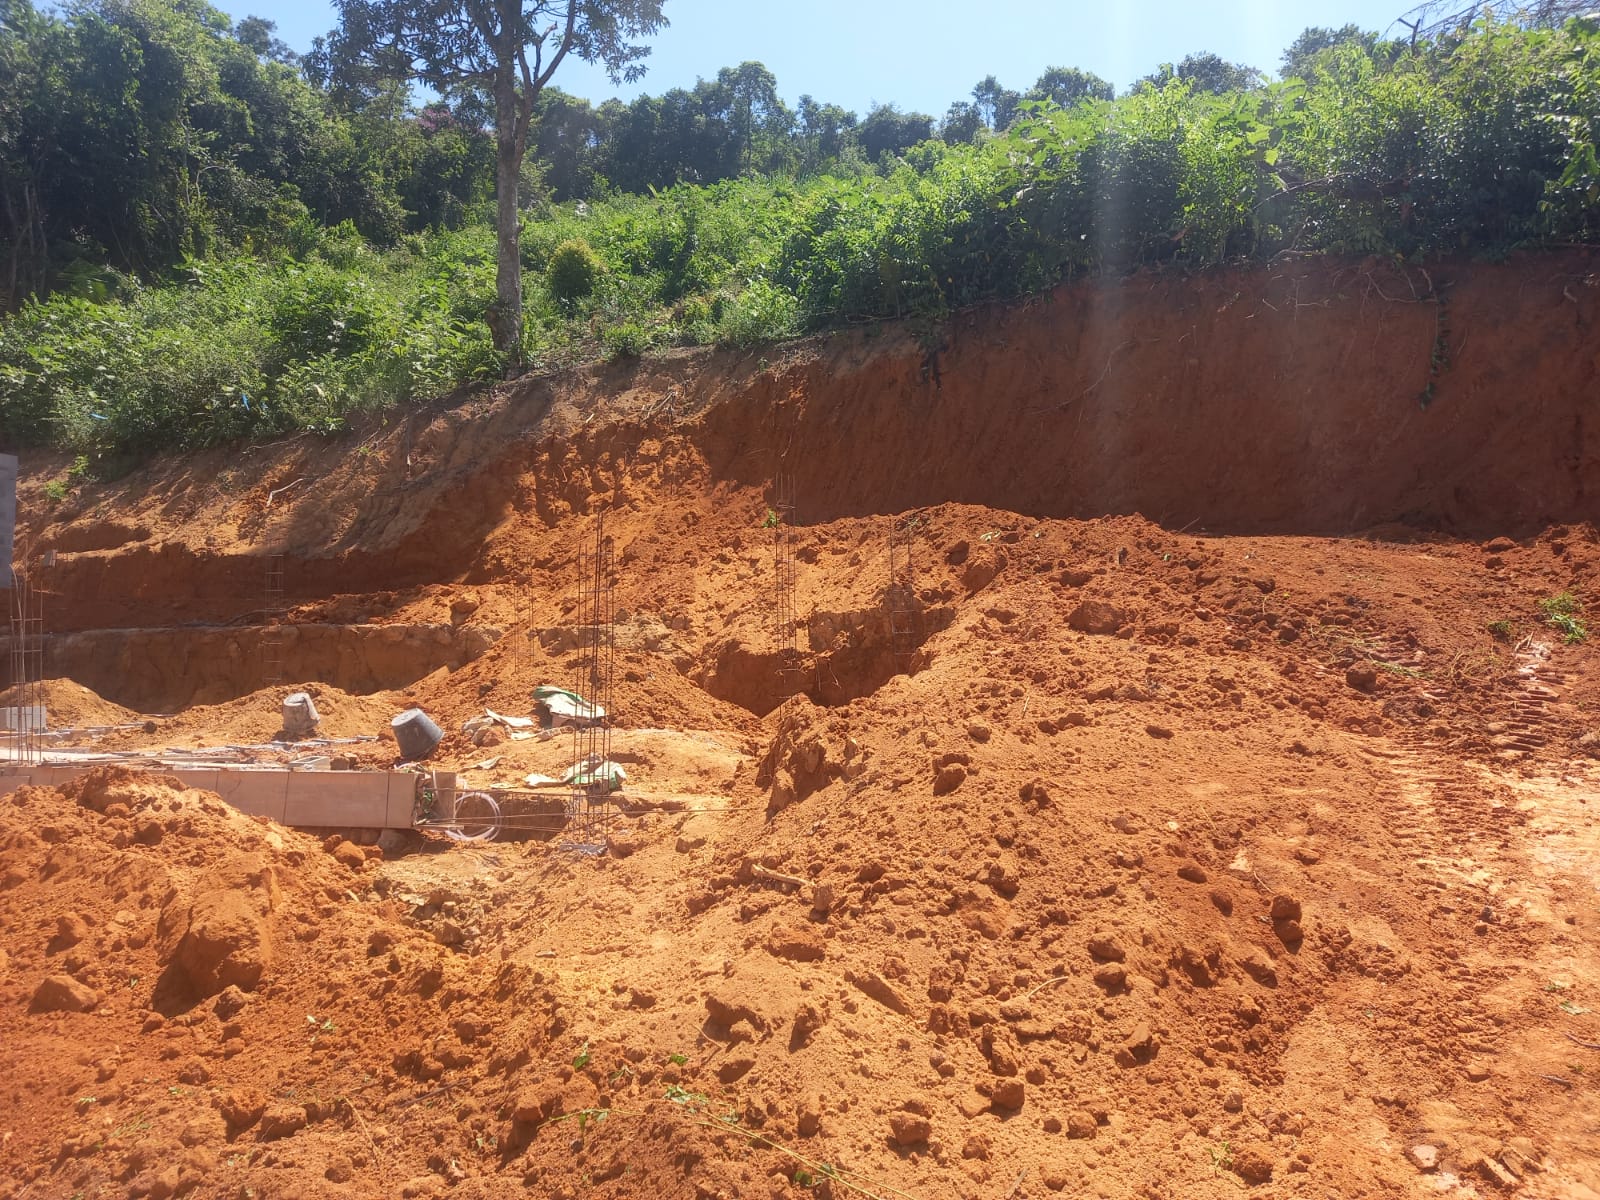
(1167,862)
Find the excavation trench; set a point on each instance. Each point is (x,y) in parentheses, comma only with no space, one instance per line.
(1303,399)
(166,670)
(844,656)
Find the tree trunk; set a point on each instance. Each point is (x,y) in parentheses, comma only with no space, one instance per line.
(505,315)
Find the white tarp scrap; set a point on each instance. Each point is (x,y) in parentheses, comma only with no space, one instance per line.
(557,706)
(510,722)
(590,773)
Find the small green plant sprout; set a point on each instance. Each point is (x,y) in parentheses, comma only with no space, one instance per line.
(86,1102)
(319,1024)
(771,521)
(56,490)
(678,1094)
(582,1116)
(1564,612)
(582,1059)
(1222,1157)
(804,1179)
(677,1060)
(1502,630)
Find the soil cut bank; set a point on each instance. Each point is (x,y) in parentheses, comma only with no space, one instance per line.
(1249,845)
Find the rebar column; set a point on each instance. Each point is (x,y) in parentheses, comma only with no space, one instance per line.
(27,668)
(272,608)
(900,598)
(781,520)
(591,809)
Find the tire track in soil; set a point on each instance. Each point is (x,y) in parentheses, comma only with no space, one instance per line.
(1506,852)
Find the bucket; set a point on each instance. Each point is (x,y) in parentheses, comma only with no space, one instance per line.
(417,734)
(300,716)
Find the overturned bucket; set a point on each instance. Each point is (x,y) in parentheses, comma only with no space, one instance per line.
(300,716)
(417,734)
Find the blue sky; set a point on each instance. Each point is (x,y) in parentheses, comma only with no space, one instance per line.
(922,54)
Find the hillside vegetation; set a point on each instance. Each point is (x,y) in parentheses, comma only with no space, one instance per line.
(342,258)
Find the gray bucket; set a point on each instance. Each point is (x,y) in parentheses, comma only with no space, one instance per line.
(417,734)
(300,716)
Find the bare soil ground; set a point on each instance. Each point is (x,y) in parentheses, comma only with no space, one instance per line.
(1180,858)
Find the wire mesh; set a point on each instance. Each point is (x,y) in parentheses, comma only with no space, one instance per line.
(272,632)
(900,598)
(791,676)
(26,695)
(591,810)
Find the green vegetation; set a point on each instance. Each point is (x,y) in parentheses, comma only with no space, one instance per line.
(573,271)
(1563,612)
(246,347)
(296,247)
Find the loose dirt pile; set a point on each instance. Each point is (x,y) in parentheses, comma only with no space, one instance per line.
(1149,863)
(70,705)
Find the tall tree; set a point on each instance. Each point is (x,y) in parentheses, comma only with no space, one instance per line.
(961,124)
(887,130)
(1068,85)
(1314,39)
(996,104)
(825,131)
(746,99)
(510,49)
(567,136)
(1208,73)
(259,34)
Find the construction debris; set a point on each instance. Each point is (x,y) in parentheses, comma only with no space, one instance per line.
(416,734)
(559,707)
(592,775)
(300,716)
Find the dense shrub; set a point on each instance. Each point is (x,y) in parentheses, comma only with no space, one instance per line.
(573,271)
(244,348)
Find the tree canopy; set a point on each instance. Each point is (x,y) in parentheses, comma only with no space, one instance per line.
(1208,73)
(1068,85)
(202,240)
(507,50)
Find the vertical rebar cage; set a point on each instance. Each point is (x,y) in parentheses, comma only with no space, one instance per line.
(272,606)
(905,614)
(781,519)
(591,808)
(26,707)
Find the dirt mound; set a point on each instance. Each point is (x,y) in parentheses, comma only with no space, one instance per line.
(257,719)
(70,705)
(217,975)
(119,846)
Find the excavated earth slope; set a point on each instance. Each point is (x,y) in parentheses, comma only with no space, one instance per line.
(1219,815)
